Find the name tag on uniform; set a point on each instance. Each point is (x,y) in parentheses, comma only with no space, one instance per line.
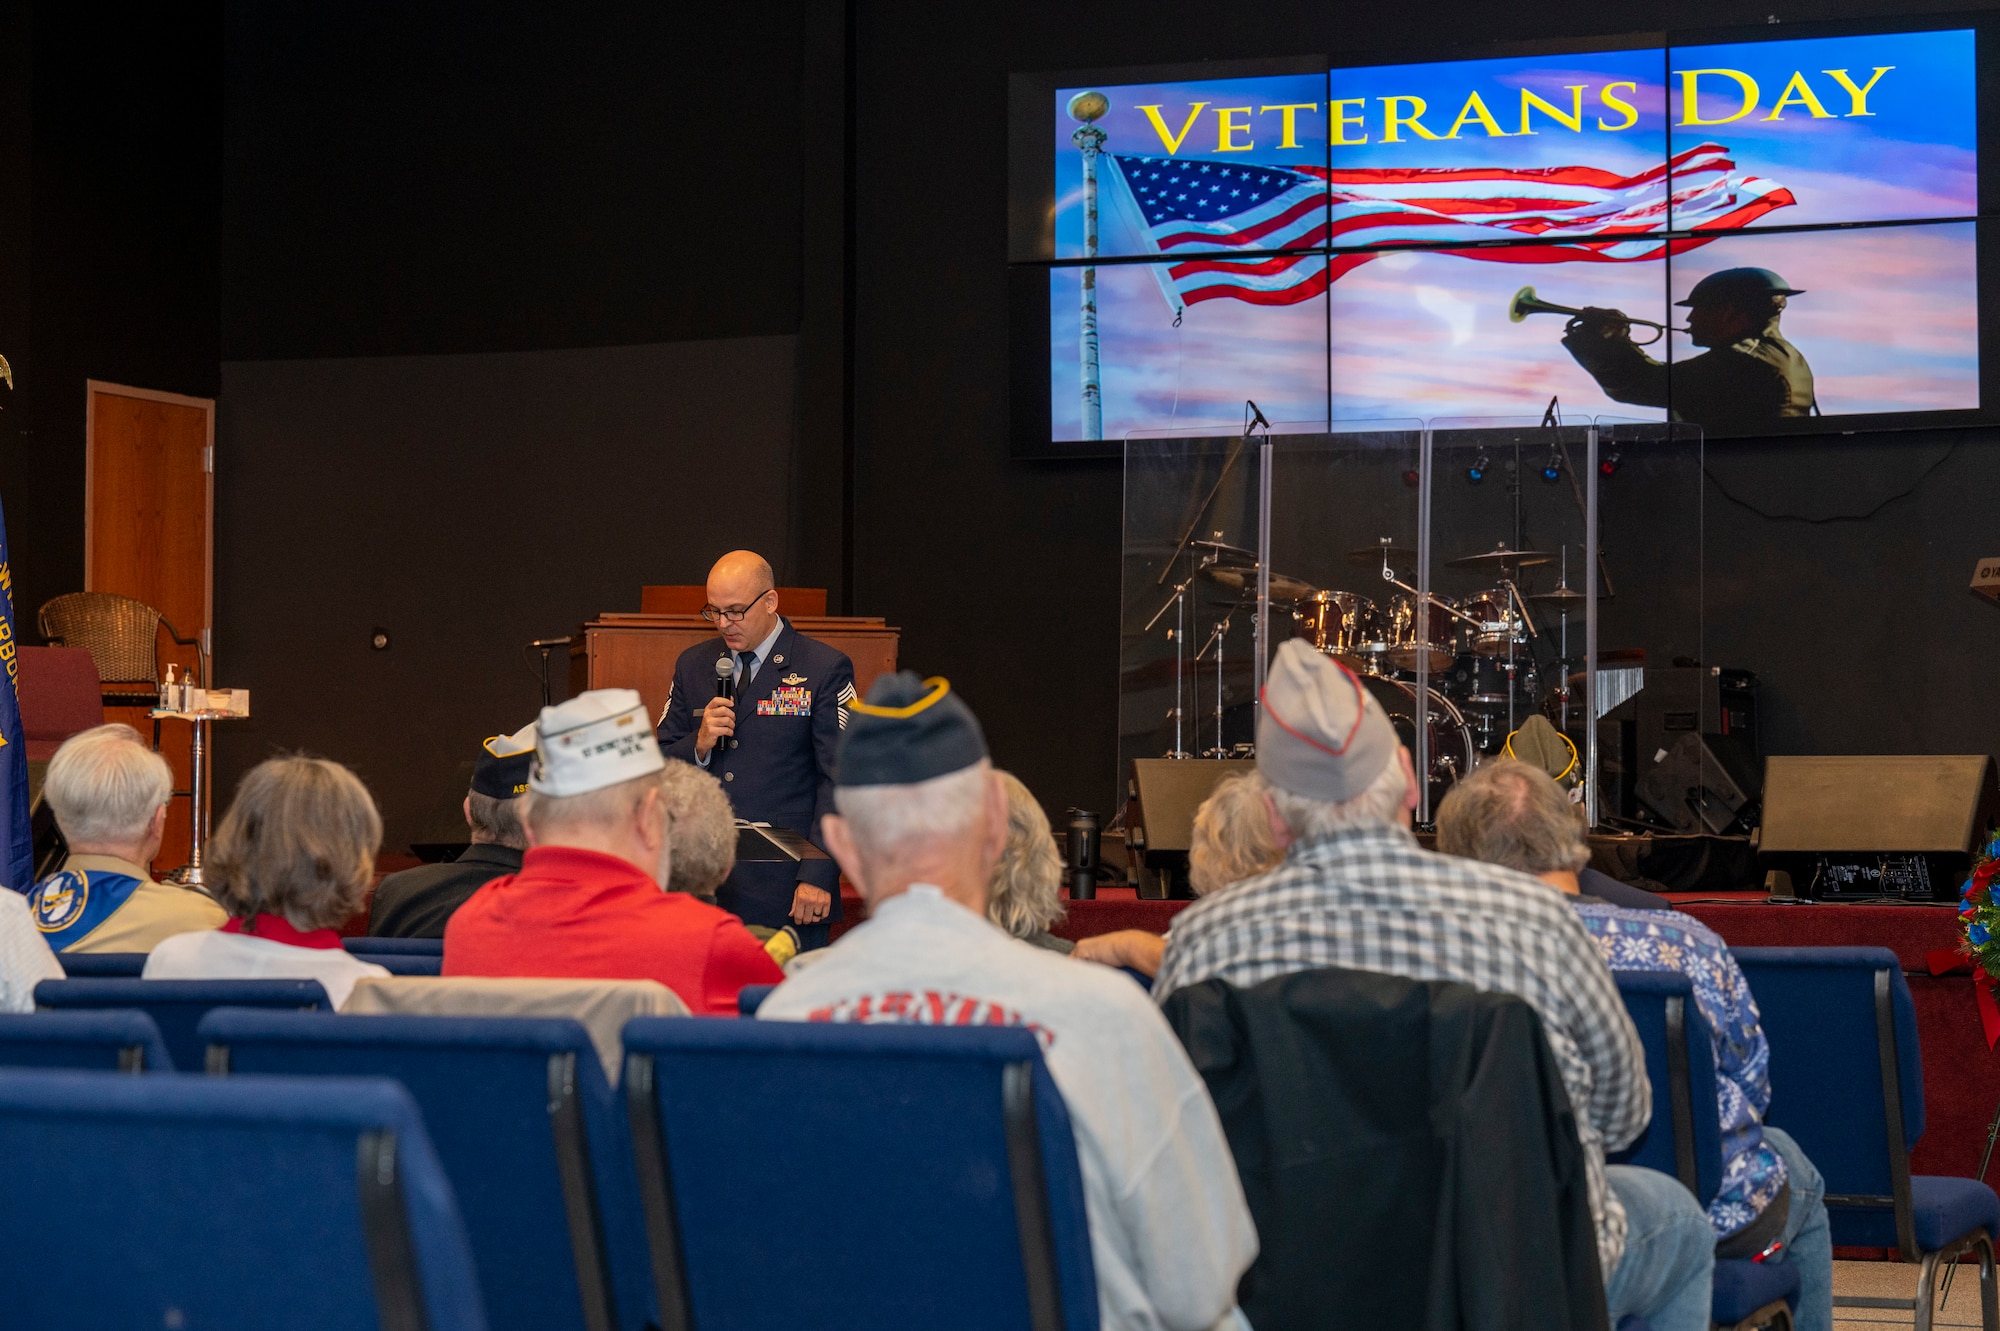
(786,702)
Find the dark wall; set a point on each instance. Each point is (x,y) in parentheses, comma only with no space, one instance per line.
(419,177)
(1005,574)
(467,504)
(448,192)
(109,182)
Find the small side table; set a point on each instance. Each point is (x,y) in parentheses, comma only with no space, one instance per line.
(205,706)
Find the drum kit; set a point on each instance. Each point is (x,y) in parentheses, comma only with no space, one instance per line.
(1474,656)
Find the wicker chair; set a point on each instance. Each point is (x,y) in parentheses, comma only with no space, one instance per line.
(121,635)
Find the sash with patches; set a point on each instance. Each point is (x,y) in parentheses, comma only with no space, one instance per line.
(67,906)
(789,701)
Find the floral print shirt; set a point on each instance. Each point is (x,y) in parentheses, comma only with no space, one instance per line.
(1658,940)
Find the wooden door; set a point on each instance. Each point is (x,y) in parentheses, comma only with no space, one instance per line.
(148,533)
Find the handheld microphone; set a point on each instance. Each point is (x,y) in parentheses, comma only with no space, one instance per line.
(725,687)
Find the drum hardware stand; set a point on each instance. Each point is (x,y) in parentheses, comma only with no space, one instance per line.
(1215,639)
(1179,634)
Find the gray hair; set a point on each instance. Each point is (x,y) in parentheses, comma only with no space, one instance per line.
(1512,814)
(1025,894)
(703,829)
(885,819)
(105,784)
(495,821)
(1309,820)
(299,840)
(1232,834)
(551,817)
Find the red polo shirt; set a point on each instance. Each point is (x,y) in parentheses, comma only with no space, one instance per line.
(580,914)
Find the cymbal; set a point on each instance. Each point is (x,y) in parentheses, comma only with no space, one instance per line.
(1560,595)
(1222,553)
(1244,580)
(1371,555)
(1501,557)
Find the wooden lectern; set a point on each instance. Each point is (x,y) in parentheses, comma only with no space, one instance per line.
(621,650)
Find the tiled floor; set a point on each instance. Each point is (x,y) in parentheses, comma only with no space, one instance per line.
(1892,1280)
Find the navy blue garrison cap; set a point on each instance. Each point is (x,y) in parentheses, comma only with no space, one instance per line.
(909,730)
(501,772)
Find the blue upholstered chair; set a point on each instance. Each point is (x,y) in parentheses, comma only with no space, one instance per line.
(413,947)
(403,963)
(956,1147)
(190,1201)
(1848,1083)
(751,997)
(112,1041)
(102,965)
(177,1006)
(529,1133)
(1685,1138)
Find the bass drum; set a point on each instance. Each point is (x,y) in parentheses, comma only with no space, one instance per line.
(1452,752)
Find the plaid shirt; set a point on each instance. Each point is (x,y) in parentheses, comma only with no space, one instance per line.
(1371,899)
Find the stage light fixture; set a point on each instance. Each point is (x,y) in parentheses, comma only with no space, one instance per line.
(1608,464)
(1552,470)
(1477,471)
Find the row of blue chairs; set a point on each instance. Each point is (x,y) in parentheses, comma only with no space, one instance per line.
(398,956)
(691,1203)
(1847,1073)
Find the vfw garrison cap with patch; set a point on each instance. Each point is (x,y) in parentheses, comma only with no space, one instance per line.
(594,740)
(1319,733)
(908,730)
(501,771)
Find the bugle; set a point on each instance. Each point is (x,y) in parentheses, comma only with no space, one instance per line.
(1526,302)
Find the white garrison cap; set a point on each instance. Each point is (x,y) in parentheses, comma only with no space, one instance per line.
(594,740)
(1320,734)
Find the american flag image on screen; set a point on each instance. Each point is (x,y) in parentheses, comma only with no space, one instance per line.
(1578,214)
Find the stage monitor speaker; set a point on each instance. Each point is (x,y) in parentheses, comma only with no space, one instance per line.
(1159,818)
(1699,784)
(1889,827)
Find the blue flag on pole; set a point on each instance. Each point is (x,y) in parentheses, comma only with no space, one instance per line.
(17,838)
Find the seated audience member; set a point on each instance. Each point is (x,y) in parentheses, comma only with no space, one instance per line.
(1025,896)
(25,960)
(921,822)
(1511,814)
(590,901)
(1232,841)
(291,861)
(1355,890)
(701,827)
(416,903)
(1541,746)
(110,795)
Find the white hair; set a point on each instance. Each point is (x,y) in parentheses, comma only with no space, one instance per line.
(887,819)
(1311,820)
(104,785)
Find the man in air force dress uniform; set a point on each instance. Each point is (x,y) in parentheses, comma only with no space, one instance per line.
(772,746)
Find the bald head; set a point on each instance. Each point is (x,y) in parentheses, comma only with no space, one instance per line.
(742,581)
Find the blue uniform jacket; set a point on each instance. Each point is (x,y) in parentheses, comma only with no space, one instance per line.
(779,768)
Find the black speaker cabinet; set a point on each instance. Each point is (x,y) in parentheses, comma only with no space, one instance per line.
(1699,783)
(1894,827)
(1159,818)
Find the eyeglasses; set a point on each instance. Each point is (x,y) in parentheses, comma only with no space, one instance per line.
(734,614)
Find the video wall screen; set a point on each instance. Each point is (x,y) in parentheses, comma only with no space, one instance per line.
(1766,235)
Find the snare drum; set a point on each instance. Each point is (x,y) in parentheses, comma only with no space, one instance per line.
(1344,626)
(1405,650)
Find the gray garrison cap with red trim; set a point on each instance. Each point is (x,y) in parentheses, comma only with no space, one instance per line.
(1320,734)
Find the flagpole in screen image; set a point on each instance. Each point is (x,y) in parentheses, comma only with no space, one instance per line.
(1088,108)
